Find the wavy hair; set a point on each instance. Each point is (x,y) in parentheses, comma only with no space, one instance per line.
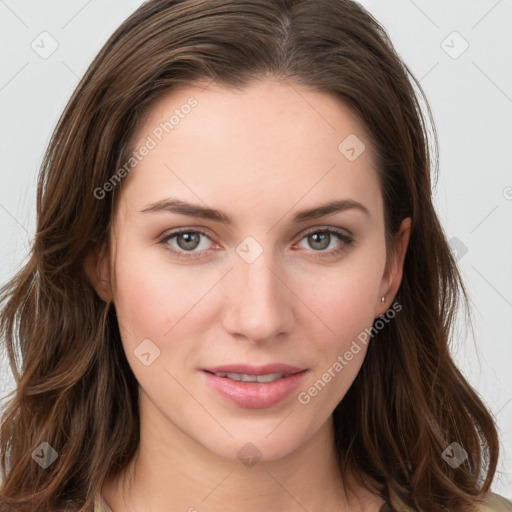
(74,387)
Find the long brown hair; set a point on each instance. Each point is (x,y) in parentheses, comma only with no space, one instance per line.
(75,389)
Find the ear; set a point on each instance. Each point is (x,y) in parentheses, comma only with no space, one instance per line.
(97,269)
(394,268)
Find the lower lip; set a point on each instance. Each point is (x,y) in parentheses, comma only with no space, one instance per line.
(255,395)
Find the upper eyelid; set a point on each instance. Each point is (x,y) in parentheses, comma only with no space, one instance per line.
(342,231)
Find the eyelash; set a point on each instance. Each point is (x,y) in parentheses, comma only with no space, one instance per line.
(345,239)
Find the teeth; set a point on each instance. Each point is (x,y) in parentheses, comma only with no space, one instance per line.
(243,377)
(270,377)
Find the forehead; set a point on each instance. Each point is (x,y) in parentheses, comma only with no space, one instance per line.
(271,141)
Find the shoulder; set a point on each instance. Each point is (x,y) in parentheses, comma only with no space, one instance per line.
(495,503)
(490,503)
(100,505)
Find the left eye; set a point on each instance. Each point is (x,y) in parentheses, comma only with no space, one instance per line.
(320,240)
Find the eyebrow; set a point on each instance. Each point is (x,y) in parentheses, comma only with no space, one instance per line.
(193,210)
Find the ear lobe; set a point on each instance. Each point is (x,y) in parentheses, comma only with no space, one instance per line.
(97,269)
(394,268)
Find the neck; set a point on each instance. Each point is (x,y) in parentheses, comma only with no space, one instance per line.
(171,471)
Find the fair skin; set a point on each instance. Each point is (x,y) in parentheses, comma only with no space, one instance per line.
(260,155)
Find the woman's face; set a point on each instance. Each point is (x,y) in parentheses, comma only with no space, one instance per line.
(255,278)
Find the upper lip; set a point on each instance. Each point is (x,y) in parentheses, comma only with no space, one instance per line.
(254,370)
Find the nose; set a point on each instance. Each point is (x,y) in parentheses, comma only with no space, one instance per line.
(259,306)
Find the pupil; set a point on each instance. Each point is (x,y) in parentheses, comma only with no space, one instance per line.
(191,240)
(322,238)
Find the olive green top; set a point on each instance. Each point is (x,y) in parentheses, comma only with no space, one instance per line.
(493,503)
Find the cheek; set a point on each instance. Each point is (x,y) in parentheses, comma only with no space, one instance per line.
(154,303)
(157,300)
(147,296)
(344,307)
(344,300)
(141,297)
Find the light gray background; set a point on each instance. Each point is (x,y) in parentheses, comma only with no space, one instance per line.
(470,93)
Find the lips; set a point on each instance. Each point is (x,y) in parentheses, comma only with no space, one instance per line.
(254,387)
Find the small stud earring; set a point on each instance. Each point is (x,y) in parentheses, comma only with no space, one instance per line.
(383,298)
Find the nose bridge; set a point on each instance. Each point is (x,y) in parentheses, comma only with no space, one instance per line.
(259,307)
